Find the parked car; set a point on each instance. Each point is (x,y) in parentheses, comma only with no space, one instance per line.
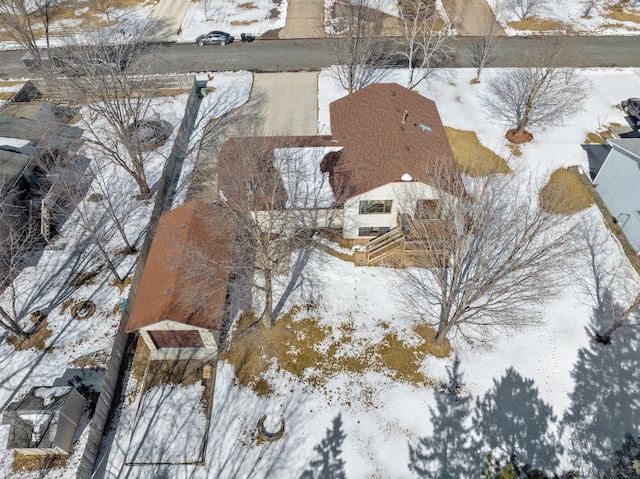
(214,38)
(632,107)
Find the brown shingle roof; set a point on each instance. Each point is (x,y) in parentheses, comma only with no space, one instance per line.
(159,295)
(387,131)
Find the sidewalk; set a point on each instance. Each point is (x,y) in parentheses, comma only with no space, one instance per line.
(165,20)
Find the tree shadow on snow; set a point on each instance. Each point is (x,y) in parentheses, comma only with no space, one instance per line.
(510,422)
(605,401)
(328,463)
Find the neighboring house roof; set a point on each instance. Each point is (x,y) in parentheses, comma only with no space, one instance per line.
(387,132)
(46,418)
(631,146)
(186,235)
(23,128)
(12,166)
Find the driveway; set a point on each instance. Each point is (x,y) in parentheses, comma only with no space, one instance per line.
(472,17)
(305,19)
(288,102)
(166,19)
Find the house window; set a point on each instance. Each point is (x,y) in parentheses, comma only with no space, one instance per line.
(373,230)
(375,206)
(428,209)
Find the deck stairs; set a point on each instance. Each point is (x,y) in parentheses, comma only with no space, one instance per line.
(385,245)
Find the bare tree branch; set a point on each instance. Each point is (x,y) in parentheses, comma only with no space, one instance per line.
(426,41)
(357,50)
(540,94)
(486,259)
(112,80)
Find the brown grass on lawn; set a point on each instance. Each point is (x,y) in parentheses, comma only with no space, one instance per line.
(247,6)
(36,340)
(121,285)
(180,371)
(594,138)
(541,25)
(240,23)
(618,12)
(299,344)
(96,360)
(66,304)
(23,463)
(472,157)
(140,360)
(515,149)
(7,95)
(564,194)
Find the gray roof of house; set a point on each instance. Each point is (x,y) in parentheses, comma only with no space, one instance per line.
(11,167)
(22,128)
(629,145)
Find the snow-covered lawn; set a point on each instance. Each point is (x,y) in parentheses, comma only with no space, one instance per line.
(580,394)
(170,426)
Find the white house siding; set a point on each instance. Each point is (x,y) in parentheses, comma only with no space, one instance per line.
(617,183)
(403,195)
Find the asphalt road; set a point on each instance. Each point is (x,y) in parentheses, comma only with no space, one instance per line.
(313,54)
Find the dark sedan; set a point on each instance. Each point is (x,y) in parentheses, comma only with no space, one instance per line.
(214,38)
(632,107)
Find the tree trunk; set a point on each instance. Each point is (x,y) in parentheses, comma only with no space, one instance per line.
(267,314)
(11,325)
(605,338)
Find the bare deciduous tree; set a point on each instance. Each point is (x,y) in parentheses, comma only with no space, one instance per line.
(276,198)
(100,206)
(483,49)
(426,42)
(17,241)
(487,260)
(21,25)
(357,50)
(608,276)
(540,94)
(113,82)
(523,8)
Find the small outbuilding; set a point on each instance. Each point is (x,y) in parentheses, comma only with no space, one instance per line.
(44,421)
(191,251)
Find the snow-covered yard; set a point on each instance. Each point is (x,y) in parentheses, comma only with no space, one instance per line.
(572,398)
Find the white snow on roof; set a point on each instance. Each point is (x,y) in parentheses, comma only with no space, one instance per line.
(50,394)
(14,142)
(307,186)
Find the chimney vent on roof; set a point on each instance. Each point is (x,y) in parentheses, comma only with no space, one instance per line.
(404,117)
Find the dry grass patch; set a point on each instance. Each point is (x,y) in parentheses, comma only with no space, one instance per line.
(240,23)
(619,12)
(515,149)
(97,360)
(299,344)
(185,372)
(140,360)
(472,157)
(27,463)
(541,25)
(36,340)
(247,6)
(121,285)
(594,138)
(564,194)
(66,304)
(7,95)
